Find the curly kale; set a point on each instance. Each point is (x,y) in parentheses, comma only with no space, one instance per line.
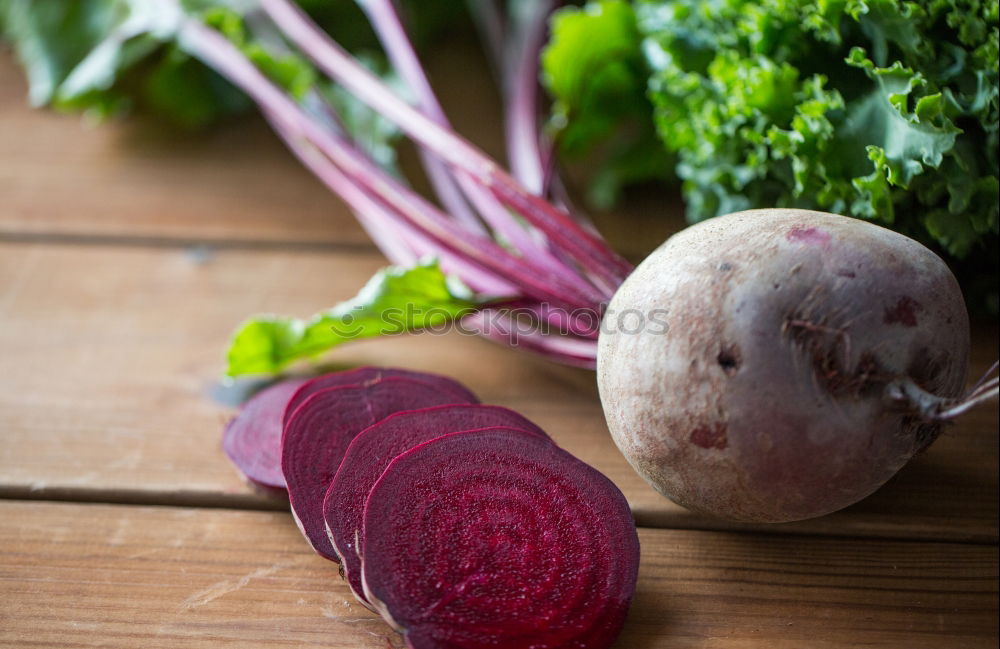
(885,110)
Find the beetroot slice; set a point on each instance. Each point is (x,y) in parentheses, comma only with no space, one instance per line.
(252,439)
(493,540)
(365,375)
(318,433)
(372,451)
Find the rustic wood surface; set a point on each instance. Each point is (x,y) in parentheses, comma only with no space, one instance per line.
(127,576)
(128,255)
(111,353)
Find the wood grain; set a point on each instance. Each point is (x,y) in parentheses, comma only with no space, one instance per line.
(137,178)
(109,354)
(123,576)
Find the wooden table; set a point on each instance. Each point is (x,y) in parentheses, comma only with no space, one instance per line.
(129,254)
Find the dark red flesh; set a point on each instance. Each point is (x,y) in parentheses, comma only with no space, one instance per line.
(365,375)
(252,439)
(318,434)
(499,540)
(372,451)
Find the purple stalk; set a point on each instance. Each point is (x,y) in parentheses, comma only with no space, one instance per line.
(219,53)
(527,163)
(581,324)
(490,24)
(585,248)
(565,349)
(396,238)
(384,18)
(529,150)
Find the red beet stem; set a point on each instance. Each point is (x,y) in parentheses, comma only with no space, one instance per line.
(318,433)
(495,540)
(375,447)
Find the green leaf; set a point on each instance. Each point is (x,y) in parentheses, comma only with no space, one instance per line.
(879,109)
(107,57)
(588,43)
(190,94)
(594,70)
(52,36)
(395,301)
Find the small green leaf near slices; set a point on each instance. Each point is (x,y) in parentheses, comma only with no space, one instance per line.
(395,301)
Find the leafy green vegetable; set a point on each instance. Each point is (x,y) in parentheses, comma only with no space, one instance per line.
(53,36)
(881,109)
(396,300)
(594,70)
(106,56)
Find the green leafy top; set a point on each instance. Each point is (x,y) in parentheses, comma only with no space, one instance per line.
(106,57)
(594,70)
(880,109)
(396,300)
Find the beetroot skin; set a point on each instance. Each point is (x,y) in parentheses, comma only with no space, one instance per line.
(499,540)
(372,451)
(318,433)
(764,386)
(252,439)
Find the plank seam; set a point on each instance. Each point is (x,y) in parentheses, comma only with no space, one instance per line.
(251,502)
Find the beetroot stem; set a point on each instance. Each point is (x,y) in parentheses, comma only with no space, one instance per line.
(397,239)
(527,162)
(492,28)
(585,248)
(384,18)
(218,52)
(568,350)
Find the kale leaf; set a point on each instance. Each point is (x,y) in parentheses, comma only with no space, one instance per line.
(885,110)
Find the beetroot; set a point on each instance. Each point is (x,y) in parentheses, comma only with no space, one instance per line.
(321,428)
(366,375)
(792,363)
(252,439)
(496,540)
(372,451)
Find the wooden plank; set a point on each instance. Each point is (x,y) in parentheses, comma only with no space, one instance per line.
(138,178)
(74,575)
(135,178)
(107,355)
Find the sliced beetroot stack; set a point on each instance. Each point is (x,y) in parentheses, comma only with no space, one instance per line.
(252,440)
(321,428)
(498,539)
(463,525)
(375,447)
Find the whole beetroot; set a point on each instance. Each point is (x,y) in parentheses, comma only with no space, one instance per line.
(775,365)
